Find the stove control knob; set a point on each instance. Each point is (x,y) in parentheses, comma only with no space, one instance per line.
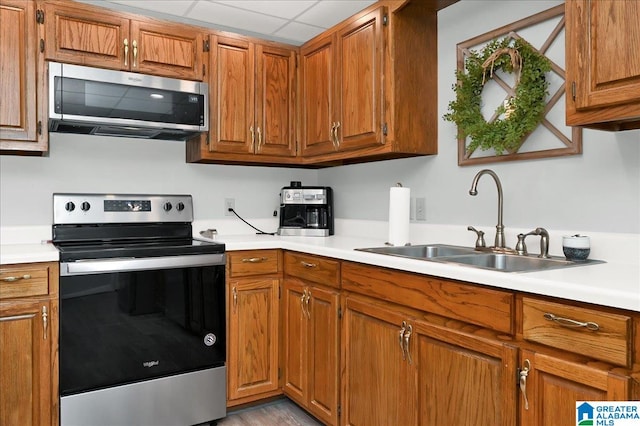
(85,206)
(167,206)
(70,206)
(180,206)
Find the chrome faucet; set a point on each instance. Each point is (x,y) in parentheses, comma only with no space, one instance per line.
(499,241)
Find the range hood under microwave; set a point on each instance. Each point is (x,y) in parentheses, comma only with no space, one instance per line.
(95,101)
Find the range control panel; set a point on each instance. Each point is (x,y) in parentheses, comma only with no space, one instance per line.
(121,208)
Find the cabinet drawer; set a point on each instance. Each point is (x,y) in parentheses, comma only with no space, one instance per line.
(253,262)
(24,281)
(589,332)
(312,268)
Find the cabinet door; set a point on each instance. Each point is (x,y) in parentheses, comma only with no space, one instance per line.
(25,363)
(295,340)
(166,49)
(21,78)
(463,379)
(377,379)
(231,89)
(603,41)
(85,35)
(323,349)
(253,337)
(318,75)
(360,95)
(275,106)
(554,385)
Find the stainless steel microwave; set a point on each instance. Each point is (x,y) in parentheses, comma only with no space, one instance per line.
(86,100)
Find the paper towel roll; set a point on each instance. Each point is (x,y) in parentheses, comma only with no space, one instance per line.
(399,207)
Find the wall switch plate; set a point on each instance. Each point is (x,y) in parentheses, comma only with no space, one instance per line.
(412,208)
(229,203)
(421,208)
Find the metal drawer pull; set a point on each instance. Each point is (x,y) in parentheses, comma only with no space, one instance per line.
(254,259)
(308,265)
(126,52)
(566,322)
(12,279)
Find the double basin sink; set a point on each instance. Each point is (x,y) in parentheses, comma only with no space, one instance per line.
(468,256)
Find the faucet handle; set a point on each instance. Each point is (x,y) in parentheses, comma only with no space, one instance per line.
(480,237)
(521,247)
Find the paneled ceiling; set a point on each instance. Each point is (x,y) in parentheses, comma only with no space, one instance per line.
(288,21)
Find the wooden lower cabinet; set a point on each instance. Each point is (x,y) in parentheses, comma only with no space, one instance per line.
(29,344)
(311,342)
(554,384)
(405,371)
(378,381)
(252,366)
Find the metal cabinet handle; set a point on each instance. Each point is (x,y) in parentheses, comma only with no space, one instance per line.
(567,322)
(308,265)
(306,302)
(135,53)
(235,297)
(259,137)
(335,134)
(254,259)
(407,340)
(126,52)
(302,297)
(401,339)
(45,322)
(12,279)
(523,382)
(253,137)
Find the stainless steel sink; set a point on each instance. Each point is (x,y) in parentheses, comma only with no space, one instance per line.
(427,251)
(467,256)
(508,262)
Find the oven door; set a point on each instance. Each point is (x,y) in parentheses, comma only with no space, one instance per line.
(122,327)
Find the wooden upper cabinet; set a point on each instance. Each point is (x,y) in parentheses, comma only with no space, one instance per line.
(603,65)
(318,96)
(252,100)
(342,87)
(88,35)
(359,100)
(275,100)
(22,80)
(232,89)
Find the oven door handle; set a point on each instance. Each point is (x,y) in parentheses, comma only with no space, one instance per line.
(101,266)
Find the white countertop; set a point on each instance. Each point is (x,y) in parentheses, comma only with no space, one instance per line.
(609,284)
(615,283)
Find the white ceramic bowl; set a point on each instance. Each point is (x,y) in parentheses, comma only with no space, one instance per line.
(576,247)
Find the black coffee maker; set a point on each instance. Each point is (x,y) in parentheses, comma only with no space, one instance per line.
(306,210)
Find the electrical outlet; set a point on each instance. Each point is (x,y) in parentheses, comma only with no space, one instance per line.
(229,203)
(421,208)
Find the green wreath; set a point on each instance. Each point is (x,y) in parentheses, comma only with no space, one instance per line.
(519,115)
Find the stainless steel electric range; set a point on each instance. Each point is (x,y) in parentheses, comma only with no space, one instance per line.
(142,312)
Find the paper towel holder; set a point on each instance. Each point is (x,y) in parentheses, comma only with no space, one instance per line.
(387,243)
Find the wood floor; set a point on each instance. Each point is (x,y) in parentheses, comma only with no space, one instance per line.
(278,413)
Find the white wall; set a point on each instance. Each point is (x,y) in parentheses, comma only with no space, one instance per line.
(596,191)
(122,165)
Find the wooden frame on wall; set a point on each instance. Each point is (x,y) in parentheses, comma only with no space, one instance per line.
(569,141)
